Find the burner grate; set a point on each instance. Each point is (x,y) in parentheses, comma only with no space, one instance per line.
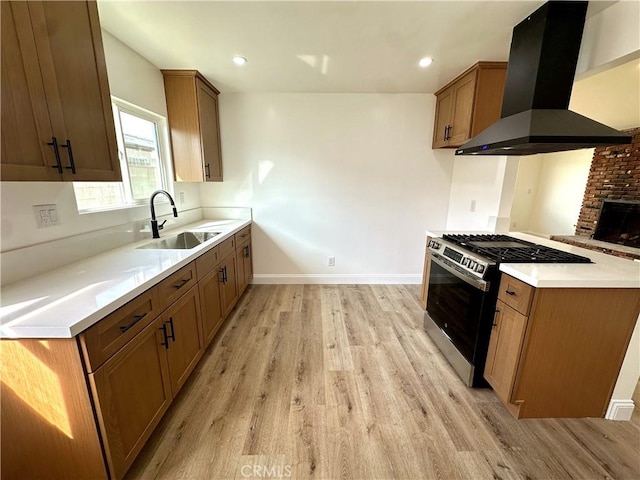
(518,251)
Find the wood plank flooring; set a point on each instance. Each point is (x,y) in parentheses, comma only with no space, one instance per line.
(341,382)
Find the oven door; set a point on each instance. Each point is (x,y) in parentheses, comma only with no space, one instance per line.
(457,304)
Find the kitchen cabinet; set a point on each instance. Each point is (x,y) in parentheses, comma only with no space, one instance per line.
(57,123)
(132,391)
(211,307)
(469,104)
(243,259)
(194,124)
(84,407)
(505,344)
(556,352)
(182,324)
(228,283)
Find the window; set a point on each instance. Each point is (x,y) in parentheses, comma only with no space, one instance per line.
(142,150)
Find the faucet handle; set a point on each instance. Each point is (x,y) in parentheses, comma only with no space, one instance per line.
(161,226)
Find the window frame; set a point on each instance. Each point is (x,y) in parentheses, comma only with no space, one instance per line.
(119,105)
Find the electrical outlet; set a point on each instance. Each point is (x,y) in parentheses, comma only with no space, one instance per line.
(181,198)
(472,207)
(46,215)
(332,261)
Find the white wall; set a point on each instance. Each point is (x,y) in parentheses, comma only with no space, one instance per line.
(131,78)
(345,175)
(561,182)
(483,184)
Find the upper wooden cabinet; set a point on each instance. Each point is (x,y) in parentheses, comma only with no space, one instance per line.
(469,104)
(194,122)
(57,122)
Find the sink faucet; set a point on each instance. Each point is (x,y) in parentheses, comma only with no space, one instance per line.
(155,228)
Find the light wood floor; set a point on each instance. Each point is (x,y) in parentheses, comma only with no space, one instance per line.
(341,382)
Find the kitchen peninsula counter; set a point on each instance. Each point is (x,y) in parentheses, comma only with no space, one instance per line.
(606,271)
(64,302)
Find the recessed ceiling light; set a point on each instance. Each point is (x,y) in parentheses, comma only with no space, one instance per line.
(425,62)
(238,60)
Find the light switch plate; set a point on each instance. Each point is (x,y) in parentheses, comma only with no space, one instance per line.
(46,215)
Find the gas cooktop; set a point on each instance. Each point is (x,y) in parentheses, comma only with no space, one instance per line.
(506,249)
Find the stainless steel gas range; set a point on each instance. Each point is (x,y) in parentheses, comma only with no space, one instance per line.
(463,289)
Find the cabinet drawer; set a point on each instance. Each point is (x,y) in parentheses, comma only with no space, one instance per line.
(112,332)
(177,284)
(243,235)
(206,262)
(227,247)
(516,294)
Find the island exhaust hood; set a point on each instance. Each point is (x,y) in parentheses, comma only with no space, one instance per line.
(542,65)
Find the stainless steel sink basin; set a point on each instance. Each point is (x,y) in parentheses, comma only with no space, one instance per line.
(182,241)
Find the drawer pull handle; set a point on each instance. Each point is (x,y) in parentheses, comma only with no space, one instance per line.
(181,284)
(136,319)
(510,292)
(171,335)
(165,344)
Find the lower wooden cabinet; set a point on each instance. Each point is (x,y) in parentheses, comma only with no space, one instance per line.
(504,350)
(119,376)
(131,391)
(184,344)
(210,304)
(228,285)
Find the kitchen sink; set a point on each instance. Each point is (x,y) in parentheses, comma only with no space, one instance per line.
(182,241)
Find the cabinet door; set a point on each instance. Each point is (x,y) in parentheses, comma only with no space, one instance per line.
(209,132)
(71,57)
(131,392)
(444,106)
(241,278)
(210,304)
(183,324)
(247,258)
(229,287)
(26,127)
(462,110)
(505,346)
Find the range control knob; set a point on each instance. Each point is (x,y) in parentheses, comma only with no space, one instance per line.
(479,268)
(465,261)
(472,265)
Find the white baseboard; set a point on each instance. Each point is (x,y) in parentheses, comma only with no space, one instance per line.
(350,279)
(620,410)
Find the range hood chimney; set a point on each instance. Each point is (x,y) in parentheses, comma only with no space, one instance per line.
(540,74)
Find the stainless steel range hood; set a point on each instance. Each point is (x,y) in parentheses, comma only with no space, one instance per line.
(542,64)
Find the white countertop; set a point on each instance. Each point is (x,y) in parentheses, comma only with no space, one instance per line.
(64,302)
(606,271)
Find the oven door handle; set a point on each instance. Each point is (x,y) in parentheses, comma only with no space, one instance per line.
(458,272)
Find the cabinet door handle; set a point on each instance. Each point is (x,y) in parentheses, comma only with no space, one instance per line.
(56,151)
(164,334)
(246,251)
(448,132)
(171,335)
(510,292)
(72,164)
(136,319)
(184,281)
(444,137)
(223,271)
(207,171)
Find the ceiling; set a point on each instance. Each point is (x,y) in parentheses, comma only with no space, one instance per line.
(317,46)
(321,46)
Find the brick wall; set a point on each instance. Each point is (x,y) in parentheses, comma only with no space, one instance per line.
(614,175)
